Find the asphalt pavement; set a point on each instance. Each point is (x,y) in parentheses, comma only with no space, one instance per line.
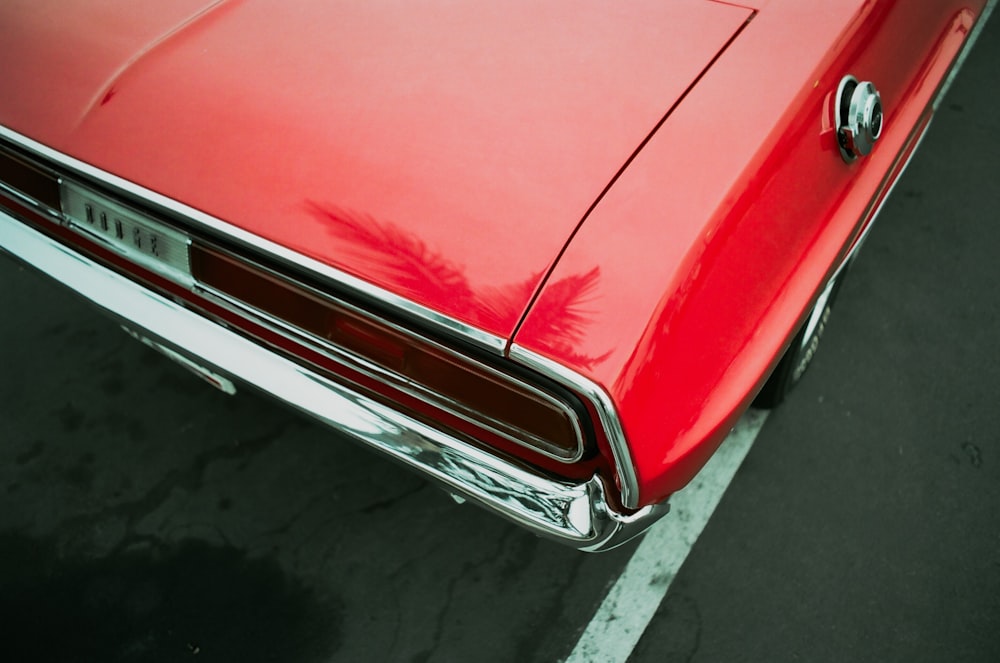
(146,517)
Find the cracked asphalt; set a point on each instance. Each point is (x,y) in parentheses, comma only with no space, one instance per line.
(147,517)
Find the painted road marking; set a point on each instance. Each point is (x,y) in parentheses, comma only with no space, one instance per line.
(626,611)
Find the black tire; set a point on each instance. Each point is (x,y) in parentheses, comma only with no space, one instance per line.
(803,348)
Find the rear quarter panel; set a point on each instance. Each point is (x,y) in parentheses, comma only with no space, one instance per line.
(711,246)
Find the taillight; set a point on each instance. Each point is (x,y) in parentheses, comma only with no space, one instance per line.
(24,178)
(474,392)
(444,379)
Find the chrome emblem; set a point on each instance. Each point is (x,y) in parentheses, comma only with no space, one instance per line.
(858,117)
(127,231)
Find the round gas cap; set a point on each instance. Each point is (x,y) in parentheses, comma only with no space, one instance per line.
(858,117)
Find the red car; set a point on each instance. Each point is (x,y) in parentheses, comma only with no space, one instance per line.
(544,253)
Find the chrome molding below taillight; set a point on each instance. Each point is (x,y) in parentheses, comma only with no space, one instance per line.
(576,513)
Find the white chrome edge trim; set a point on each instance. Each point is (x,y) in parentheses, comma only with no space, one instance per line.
(577,514)
(605,410)
(364,289)
(970,41)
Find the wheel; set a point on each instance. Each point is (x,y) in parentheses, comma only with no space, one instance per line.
(800,353)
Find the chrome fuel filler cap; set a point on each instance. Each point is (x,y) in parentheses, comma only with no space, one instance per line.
(858,117)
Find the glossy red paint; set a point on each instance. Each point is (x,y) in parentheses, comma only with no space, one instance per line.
(714,242)
(443,151)
(484,162)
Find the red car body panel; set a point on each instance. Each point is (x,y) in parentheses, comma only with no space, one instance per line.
(442,152)
(720,233)
(635,204)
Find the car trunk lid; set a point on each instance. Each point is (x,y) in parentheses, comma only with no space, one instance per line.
(443,152)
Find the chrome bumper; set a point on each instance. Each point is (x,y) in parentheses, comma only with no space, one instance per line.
(577,514)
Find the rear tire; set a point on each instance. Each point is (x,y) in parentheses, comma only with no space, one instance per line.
(800,353)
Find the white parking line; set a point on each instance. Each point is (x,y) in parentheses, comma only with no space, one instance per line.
(625,612)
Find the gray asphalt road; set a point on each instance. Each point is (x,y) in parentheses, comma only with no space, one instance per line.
(146,517)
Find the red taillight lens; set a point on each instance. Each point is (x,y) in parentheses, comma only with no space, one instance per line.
(30,181)
(472,391)
(519,412)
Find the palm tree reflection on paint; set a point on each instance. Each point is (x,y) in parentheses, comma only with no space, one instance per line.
(557,321)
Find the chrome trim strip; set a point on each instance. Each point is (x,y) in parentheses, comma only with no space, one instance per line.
(578,514)
(446,324)
(970,41)
(605,410)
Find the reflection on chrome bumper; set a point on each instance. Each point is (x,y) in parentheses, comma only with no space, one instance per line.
(577,514)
